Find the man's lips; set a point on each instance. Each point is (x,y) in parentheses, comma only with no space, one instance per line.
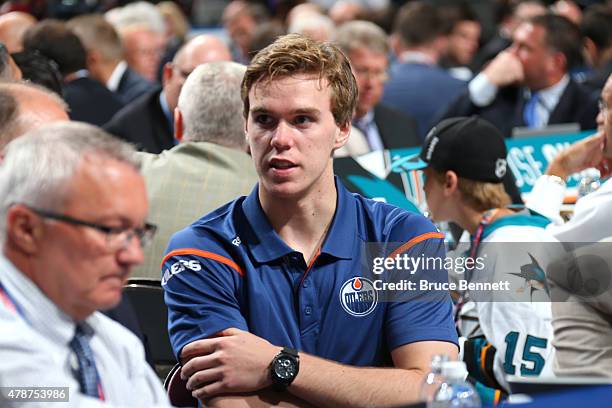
(281,164)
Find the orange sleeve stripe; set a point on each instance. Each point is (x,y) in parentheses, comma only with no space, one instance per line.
(414,241)
(497,397)
(483,356)
(204,254)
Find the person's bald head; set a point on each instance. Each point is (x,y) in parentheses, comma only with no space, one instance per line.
(12,27)
(200,50)
(24,107)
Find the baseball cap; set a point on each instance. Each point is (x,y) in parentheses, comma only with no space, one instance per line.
(470,146)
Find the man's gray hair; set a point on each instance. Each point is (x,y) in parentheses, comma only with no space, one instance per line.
(362,34)
(211,106)
(37,167)
(138,14)
(13,119)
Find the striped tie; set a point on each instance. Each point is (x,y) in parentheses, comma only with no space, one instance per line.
(86,374)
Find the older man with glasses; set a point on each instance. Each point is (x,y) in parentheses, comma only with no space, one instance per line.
(383,127)
(72,226)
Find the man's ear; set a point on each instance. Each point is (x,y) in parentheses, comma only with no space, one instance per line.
(178,125)
(167,73)
(92,61)
(451,181)
(342,135)
(24,229)
(560,61)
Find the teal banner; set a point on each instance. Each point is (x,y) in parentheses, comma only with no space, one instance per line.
(387,180)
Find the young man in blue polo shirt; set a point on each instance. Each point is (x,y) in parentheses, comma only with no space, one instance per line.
(268,294)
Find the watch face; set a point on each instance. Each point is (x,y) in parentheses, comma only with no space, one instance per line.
(284,368)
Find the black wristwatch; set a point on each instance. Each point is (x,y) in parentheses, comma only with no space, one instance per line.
(284,368)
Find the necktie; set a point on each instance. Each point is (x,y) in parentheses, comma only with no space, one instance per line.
(364,126)
(530,114)
(86,374)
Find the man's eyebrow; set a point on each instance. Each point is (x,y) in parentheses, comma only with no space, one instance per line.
(298,111)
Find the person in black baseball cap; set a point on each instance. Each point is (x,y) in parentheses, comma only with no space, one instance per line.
(464,162)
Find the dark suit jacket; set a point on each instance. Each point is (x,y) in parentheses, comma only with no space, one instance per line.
(144,124)
(397,130)
(90,101)
(421,91)
(132,85)
(506,111)
(596,80)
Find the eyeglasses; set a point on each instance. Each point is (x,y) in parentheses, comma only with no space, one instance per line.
(371,73)
(116,238)
(603,106)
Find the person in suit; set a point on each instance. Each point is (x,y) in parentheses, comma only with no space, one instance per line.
(142,29)
(89,101)
(105,57)
(417,85)
(383,127)
(148,122)
(210,160)
(528,84)
(596,28)
(25,107)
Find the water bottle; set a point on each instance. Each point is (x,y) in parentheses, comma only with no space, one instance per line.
(434,378)
(454,391)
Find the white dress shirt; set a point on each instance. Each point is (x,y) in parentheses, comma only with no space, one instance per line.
(34,351)
(483,92)
(113,81)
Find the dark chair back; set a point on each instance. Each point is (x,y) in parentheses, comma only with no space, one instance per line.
(178,394)
(147,299)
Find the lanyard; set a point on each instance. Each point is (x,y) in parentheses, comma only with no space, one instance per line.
(10,303)
(484,221)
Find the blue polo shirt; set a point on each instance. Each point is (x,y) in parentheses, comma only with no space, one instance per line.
(231,269)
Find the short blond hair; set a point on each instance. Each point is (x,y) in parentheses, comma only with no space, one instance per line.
(295,54)
(478,195)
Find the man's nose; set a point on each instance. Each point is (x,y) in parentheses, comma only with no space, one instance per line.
(283,136)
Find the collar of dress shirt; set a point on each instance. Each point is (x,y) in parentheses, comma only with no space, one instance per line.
(113,82)
(549,97)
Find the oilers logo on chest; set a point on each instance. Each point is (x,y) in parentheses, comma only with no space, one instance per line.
(358,297)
